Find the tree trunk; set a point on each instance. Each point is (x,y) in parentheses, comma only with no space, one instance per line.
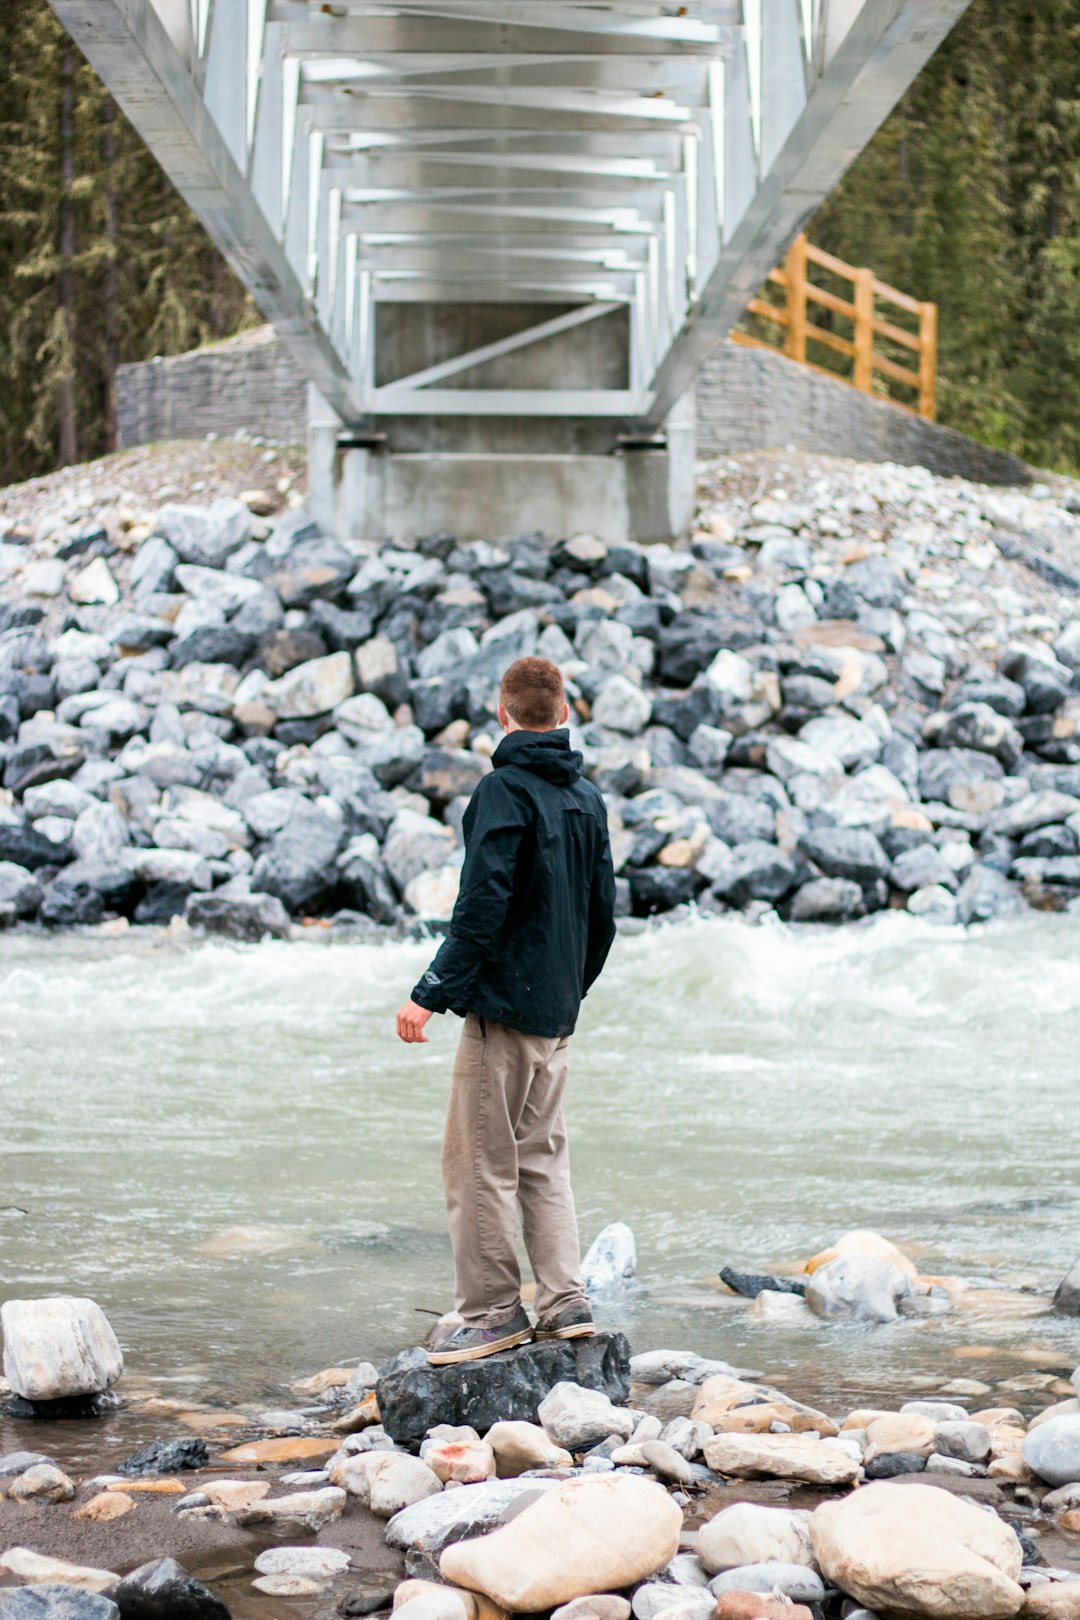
(109,278)
(68,434)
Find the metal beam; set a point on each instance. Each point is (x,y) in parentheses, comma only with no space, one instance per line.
(126,43)
(883,50)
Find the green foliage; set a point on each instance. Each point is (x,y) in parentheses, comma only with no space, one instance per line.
(134,275)
(969,195)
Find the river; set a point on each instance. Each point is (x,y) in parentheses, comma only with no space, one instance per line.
(229,1149)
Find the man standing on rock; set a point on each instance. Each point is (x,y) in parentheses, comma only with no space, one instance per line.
(531,930)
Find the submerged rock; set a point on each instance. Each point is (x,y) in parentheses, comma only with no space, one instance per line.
(857,1288)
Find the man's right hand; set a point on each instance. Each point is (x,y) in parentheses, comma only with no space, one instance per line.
(410,1023)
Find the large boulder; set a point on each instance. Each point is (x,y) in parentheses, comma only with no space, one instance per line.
(386,1481)
(58,1347)
(577,1418)
(413,1399)
(596,1534)
(247,917)
(916,1550)
(299,863)
(1052,1450)
(205,535)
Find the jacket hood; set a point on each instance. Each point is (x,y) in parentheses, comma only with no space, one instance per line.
(547,753)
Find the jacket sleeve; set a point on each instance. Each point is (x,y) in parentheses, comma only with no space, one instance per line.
(601,914)
(492,845)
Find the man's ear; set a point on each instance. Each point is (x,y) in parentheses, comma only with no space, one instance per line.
(505,719)
(564,718)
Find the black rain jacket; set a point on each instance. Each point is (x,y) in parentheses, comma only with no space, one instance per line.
(535,915)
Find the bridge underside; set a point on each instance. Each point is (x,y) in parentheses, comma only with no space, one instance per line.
(500,235)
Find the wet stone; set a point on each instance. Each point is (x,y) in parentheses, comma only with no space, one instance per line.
(510,1386)
(166,1457)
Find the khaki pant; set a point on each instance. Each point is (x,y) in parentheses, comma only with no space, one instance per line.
(505,1152)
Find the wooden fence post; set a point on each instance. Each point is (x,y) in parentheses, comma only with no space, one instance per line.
(928,361)
(864,330)
(795,345)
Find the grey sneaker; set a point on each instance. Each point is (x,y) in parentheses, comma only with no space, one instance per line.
(473,1344)
(575,1322)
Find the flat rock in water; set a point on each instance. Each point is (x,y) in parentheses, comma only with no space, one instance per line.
(780,1456)
(751,1284)
(166,1457)
(163,1590)
(54,1601)
(504,1387)
(57,1348)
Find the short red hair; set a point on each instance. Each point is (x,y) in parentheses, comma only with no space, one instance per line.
(532,694)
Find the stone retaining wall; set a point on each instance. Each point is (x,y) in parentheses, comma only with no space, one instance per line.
(247,382)
(751,399)
(747,399)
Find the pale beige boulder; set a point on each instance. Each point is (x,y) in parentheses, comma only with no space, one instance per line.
(592,1534)
(900,1431)
(231,1494)
(386,1481)
(780,1456)
(600,1606)
(301,1513)
(751,1533)
(731,1404)
(33,1568)
(440,1602)
(58,1347)
(1056,1600)
(869,1244)
(466,1462)
(520,1446)
(916,1550)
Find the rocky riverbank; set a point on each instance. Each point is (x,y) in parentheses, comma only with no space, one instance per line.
(662,1486)
(853,687)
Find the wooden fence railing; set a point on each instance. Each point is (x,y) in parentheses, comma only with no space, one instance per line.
(860,315)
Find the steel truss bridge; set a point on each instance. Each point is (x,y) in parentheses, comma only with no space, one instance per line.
(503,230)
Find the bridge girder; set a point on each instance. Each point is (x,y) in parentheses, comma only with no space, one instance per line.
(614,158)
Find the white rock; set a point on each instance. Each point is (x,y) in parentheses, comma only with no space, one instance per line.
(519,1446)
(678,1602)
(317,1563)
(433,895)
(57,1347)
(300,1513)
(611,1260)
(313,688)
(44,578)
(386,1481)
(577,1418)
(622,706)
(34,1569)
(793,1581)
(94,583)
(1052,1450)
(748,1533)
(852,742)
(168,866)
(732,676)
(782,1456)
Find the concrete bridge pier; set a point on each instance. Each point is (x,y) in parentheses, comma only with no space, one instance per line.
(558,460)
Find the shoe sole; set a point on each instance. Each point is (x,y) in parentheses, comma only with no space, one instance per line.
(579,1330)
(447,1358)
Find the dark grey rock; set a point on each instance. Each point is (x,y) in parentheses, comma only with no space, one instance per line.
(297,864)
(448,773)
(152,568)
(738,819)
(163,1590)
(1046,683)
(165,1457)
(827,900)
(53,1600)
(283,650)
(846,852)
(342,629)
(943,768)
(756,871)
(258,617)
(977,726)
(876,582)
(35,763)
(312,568)
(1007,697)
(751,1283)
(1067,1295)
(246,917)
(661,888)
(507,1386)
(920,868)
(161,903)
(71,903)
(19,888)
(891,1464)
